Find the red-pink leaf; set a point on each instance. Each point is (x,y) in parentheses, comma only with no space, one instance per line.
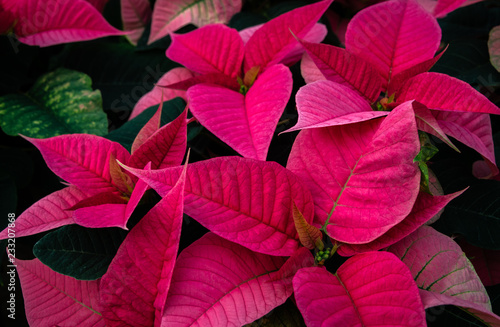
(46,23)
(309,71)
(136,196)
(486,263)
(209,49)
(370,289)
(111,214)
(393,36)
(244,122)
(432,299)
(438,264)
(401,77)
(362,172)
(147,254)
(441,8)
(472,129)
(428,123)
(147,130)
(154,97)
(271,43)
(326,103)
(494,47)
(165,148)
(52,299)
(48,213)
(315,35)
(340,66)
(300,259)
(211,78)
(98,199)
(100,216)
(135,16)
(245,201)
(82,159)
(170,15)
(442,92)
(426,207)
(219,283)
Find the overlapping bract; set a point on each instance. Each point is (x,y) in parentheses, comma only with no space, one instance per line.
(383,53)
(101,194)
(244,118)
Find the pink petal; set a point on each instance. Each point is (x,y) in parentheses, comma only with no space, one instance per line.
(98,199)
(165,148)
(245,123)
(245,201)
(170,15)
(209,49)
(438,264)
(47,213)
(211,78)
(219,283)
(309,71)
(340,66)
(100,216)
(401,77)
(136,196)
(148,253)
(446,93)
(46,23)
(147,130)
(271,43)
(369,181)
(472,129)
(136,14)
(426,207)
(393,36)
(52,299)
(432,299)
(486,263)
(81,159)
(300,259)
(154,97)
(326,103)
(111,214)
(370,289)
(443,7)
(428,123)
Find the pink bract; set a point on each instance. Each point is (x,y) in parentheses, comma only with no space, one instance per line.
(148,253)
(243,200)
(363,159)
(53,299)
(219,283)
(373,288)
(64,21)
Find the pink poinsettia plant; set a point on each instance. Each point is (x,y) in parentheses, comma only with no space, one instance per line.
(356,183)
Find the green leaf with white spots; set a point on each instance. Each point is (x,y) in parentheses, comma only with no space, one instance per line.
(60,102)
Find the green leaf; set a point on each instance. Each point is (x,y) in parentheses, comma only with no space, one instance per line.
(82,253)
(427,151)
(60,102)
(126,134)
(118,70)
